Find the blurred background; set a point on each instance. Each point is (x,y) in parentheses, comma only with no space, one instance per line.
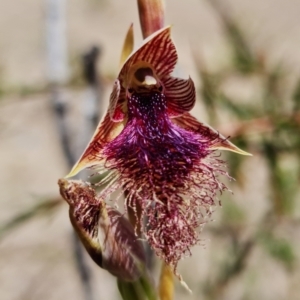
(244,57)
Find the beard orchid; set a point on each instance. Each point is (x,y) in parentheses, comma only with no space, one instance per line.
(156,152)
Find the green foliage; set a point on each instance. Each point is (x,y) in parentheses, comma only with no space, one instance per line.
(296,96)
(235,161)
(141,289)
(279,248)
(44,207)
(232,213)
(267,127)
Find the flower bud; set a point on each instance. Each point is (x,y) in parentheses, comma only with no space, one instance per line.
(105,233)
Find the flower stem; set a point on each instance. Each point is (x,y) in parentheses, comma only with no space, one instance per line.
(151,14)
(166,284)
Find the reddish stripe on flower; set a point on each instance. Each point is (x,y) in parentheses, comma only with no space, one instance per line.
(158,50)
(181,95)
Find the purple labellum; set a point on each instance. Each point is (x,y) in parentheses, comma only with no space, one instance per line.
(170,171)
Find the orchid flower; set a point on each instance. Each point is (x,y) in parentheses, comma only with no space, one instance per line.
(105,233)
(158,154)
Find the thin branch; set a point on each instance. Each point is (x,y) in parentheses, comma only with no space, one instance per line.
(58,76)
(44,207)
(258,125)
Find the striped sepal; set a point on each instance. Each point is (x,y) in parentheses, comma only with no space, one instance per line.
(158,50)
(117,98)
(92,155)
(180,95)
(207,133)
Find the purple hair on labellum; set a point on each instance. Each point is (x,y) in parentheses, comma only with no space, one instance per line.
(161,156)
